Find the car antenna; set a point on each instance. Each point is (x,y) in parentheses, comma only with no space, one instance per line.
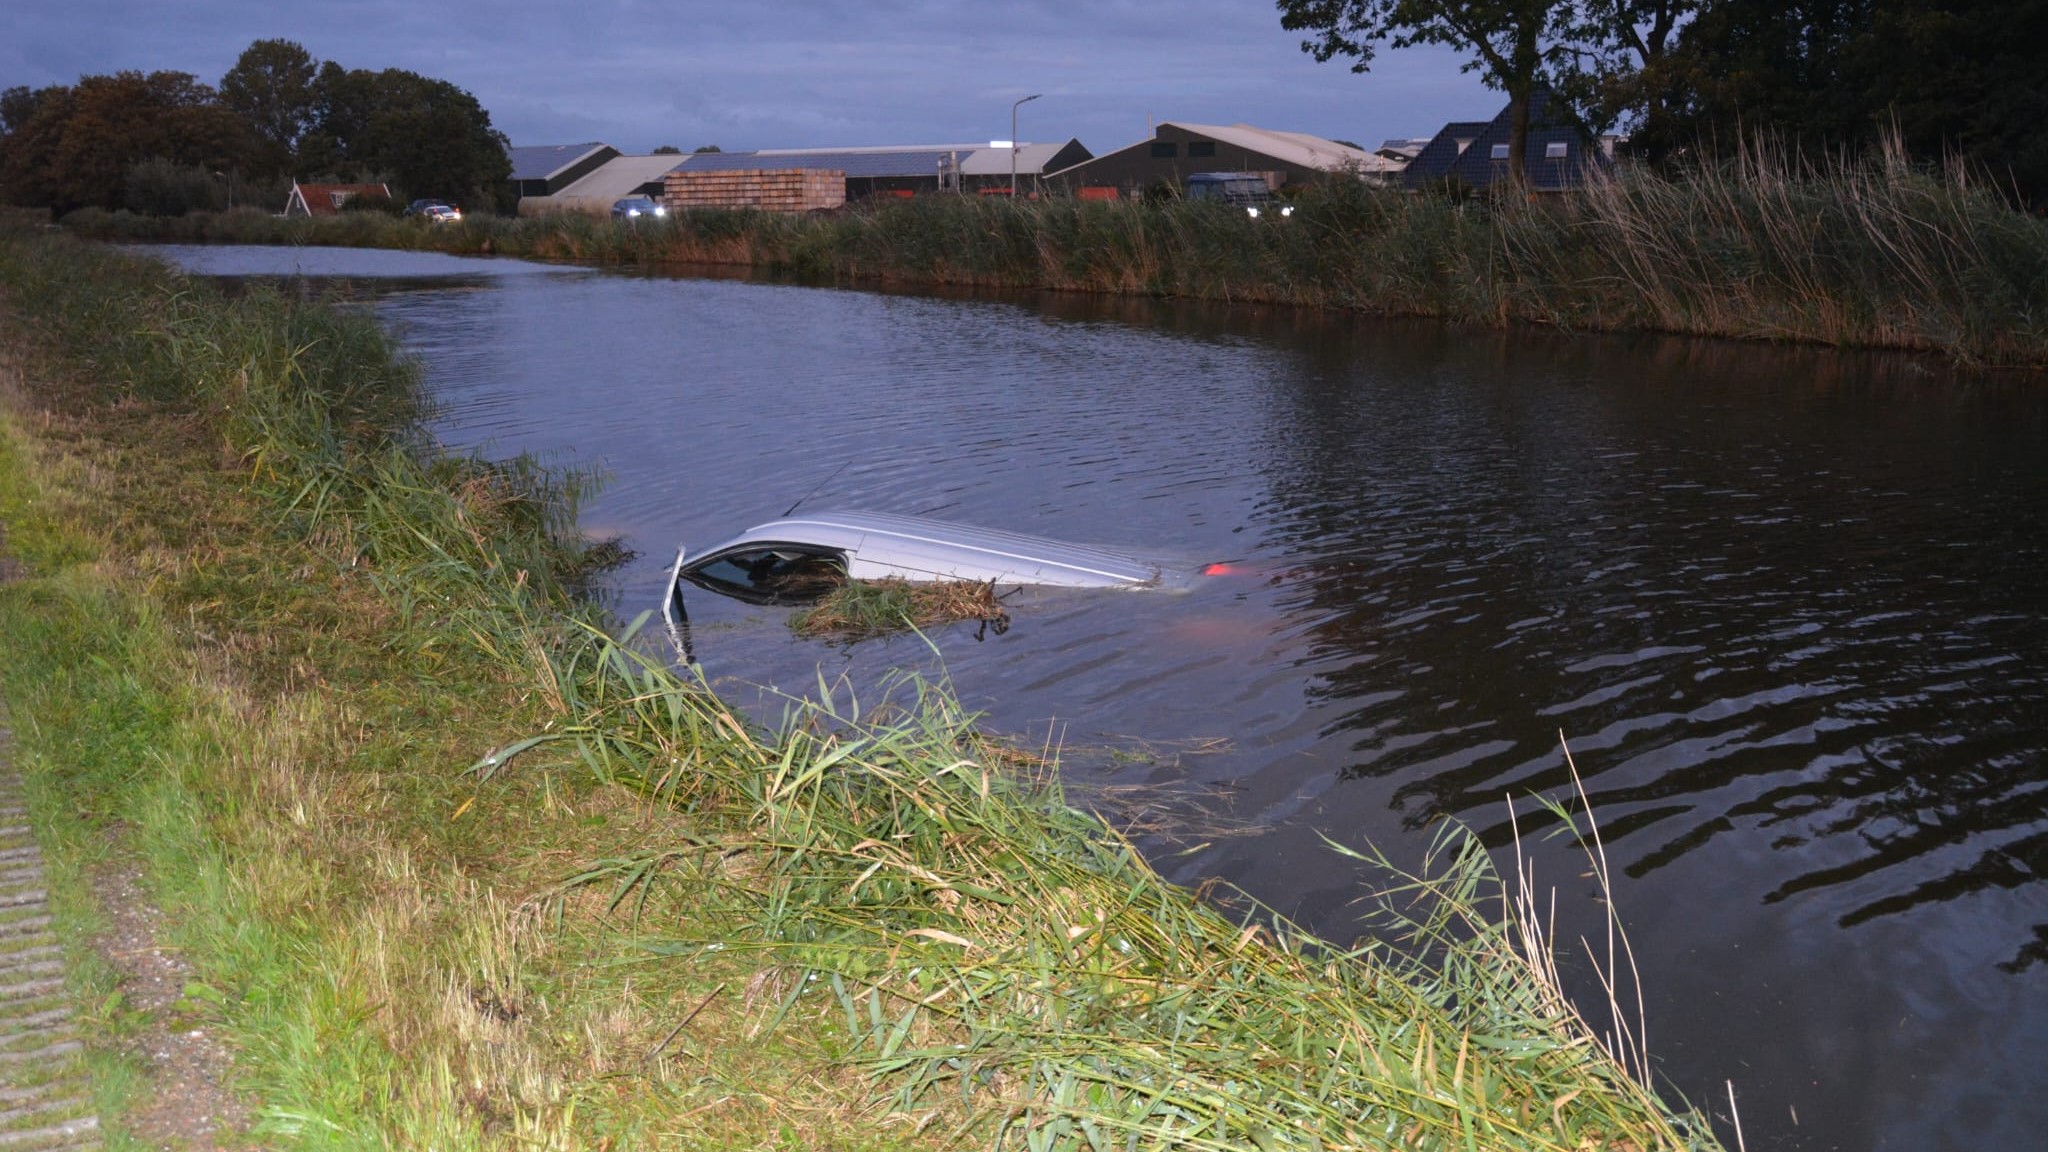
(791,510)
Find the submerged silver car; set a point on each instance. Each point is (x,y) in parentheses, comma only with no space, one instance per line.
(801,558)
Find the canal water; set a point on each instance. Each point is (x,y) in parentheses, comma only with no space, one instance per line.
(1789,608)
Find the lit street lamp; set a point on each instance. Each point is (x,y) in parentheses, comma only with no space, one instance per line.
(1013,140)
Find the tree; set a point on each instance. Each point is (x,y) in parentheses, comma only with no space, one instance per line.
(66,147)
(1616,63)
(18,106)
(708,148)
(667,150)
(30,130)
(1953,78)
(430,137)
(438,141)
(1510,41)
(271,86)
(71,147)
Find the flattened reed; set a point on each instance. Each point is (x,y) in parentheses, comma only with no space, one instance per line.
(862,608)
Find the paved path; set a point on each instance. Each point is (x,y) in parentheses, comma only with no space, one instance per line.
(45,1097)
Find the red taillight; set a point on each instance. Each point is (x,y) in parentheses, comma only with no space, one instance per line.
(1221,570)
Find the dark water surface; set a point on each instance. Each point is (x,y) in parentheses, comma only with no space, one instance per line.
(1789,607)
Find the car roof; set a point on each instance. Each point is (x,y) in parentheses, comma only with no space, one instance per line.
(879,545)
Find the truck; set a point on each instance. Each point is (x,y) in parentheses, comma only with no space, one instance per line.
(1252,191)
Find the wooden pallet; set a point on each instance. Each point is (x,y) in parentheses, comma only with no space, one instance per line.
(772,189)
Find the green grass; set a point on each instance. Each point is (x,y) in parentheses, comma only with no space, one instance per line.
(262,631)
(1009,969)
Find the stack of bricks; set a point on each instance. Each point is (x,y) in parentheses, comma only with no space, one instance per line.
(773,189)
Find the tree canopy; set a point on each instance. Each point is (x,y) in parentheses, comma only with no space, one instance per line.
(271,86)
(277,114)
(1950,78)
(428,136)
(1514,45)
(70,146)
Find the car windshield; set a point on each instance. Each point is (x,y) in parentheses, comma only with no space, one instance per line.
(1252,189)
(771,573)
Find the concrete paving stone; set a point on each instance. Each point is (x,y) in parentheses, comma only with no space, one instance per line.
(31,989)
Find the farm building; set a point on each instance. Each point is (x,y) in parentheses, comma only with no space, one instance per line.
(900,170)
(1558,156)
(596,190)
(546,169)
(327,199)
(1178,150)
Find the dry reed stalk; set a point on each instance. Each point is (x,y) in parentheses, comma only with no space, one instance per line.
(1627,1043)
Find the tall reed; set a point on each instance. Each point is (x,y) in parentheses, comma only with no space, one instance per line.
(1875,252)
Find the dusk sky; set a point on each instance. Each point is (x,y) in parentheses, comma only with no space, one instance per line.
(637,74)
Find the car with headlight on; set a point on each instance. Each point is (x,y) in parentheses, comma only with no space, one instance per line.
(432,211)
(637,208)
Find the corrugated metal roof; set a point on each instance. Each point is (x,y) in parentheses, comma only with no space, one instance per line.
(857,163)
(1297,148)
(618,177)
(1404,148)
(987,161)
(870,148)
(540,161)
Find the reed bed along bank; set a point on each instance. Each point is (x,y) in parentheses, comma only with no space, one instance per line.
(459,865)
(1877,253)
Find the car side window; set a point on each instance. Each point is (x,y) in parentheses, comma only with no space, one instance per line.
(777,573)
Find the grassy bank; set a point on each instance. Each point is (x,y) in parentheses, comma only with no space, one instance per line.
(1878,254)
(459,868)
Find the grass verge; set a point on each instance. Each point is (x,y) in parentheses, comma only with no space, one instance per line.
(259,631)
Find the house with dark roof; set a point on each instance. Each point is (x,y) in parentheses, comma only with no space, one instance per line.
(1179,149)
(1439,154)
(1559,155)
(545,169)
(327,199)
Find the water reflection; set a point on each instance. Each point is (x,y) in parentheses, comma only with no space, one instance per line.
(1790,607)
(1829,633)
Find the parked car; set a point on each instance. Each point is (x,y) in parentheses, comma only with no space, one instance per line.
(1247,190)
(434,211)
(637,207)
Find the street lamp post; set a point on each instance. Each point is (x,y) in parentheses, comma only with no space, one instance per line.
(1013,140)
